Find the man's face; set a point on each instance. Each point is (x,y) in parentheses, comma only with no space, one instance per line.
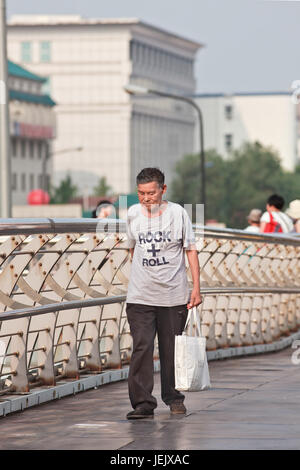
(150,194)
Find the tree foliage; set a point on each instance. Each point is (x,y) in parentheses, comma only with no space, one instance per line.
(63,193)
(102,188)
(237,185)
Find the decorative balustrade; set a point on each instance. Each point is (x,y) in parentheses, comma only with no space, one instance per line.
(63,291)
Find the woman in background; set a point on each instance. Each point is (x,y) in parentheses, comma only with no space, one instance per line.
(293,211)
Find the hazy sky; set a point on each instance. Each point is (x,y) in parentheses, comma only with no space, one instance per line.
(249,45)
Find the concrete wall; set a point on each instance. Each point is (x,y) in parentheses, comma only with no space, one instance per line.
(48,210)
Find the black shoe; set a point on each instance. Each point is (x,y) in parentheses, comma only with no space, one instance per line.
(140,413)
(177,407)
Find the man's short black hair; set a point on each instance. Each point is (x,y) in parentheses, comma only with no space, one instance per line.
(276,201)
(147,175)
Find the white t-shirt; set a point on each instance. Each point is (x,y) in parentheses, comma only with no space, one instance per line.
(280,217)
(252,229)
(158,271)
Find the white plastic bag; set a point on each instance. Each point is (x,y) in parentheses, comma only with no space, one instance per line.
(191,368)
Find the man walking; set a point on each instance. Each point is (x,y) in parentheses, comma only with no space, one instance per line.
(159,233)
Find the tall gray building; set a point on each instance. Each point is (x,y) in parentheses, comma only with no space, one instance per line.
(88,62)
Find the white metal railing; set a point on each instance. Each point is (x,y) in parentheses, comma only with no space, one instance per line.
(63,289)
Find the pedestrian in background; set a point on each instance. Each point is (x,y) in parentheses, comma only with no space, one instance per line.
(104,209)
(274,220)
(293,211)
(254,221)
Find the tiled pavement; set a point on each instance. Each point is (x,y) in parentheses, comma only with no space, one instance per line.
(253,404)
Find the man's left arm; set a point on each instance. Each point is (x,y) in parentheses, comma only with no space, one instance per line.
(195,298)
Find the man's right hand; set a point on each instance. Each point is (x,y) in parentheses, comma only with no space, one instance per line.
(195,300)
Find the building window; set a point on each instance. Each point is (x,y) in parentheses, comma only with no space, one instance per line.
(132,50)
(40,149)
(47,150)
(14,181)
(40,181)
(14,147)
(31,149)
(23,182)
(45,51)
(47,183)
(31,181)
(26,51)
(23,148)
(228,111)
(228,142)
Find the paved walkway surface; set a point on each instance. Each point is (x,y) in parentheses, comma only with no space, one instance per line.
(254,403)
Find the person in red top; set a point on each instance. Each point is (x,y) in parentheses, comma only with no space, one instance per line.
(274,216)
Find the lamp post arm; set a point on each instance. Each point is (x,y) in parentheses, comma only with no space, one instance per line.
(200,118)
(69,150)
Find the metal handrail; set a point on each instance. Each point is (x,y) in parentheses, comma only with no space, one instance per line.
(30,226)
(74,304)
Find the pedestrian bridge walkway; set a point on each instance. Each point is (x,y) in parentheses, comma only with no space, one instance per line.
(64,330)
(252,404)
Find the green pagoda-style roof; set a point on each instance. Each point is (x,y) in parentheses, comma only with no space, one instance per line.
(46,100)
(18,71)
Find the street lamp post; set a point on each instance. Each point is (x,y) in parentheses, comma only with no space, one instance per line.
(5,170)
(138,90)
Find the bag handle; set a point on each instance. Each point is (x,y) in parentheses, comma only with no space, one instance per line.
(193,319)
